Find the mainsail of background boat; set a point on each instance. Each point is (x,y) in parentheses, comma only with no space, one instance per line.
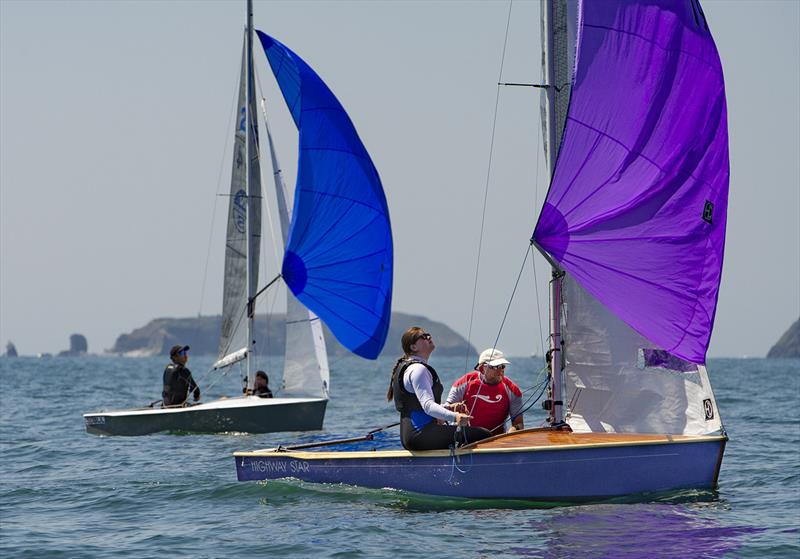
(635,213)
(243,239)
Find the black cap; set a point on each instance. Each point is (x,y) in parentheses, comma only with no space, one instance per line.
(177,349)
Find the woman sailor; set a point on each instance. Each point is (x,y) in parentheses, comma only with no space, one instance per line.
(417,393)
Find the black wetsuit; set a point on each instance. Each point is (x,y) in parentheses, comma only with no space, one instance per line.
(178,383)
(432,435)
(263,392)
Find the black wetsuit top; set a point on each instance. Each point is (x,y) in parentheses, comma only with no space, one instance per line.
(433,435)
(178,383)
(262,392)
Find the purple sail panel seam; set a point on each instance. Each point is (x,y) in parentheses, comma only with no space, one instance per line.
(578,171)
(626,274)
(611,240)
(695,307)
(636,153)
(660,46)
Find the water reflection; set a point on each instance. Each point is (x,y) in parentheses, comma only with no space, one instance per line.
(633,530)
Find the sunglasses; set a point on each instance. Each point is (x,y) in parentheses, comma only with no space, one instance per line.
(425,336)
(183,352)
(501,367)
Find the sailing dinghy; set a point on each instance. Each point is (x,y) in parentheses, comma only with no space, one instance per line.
(634,226)
(337,261)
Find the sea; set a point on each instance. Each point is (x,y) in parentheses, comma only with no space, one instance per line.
(65,493)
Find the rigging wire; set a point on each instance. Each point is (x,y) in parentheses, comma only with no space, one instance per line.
(216,198)
(486,187)
(511,299)
(274,171)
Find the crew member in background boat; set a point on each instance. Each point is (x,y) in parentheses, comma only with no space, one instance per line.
(488,395)
(417,394)
(178,381)
(260,387)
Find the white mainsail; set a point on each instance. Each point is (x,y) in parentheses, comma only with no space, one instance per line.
(612,388)
(233,337)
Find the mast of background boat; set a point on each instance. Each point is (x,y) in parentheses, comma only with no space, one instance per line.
(556,343)
(252,200)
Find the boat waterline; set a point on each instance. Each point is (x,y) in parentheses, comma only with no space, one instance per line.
(248,414)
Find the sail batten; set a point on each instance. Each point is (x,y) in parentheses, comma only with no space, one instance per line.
(340,234)
(636,209)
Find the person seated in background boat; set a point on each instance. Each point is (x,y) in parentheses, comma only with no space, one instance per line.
(178,380)
(488,395)
(416,391)
(260,386)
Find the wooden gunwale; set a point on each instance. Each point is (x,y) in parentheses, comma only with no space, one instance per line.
(529,440)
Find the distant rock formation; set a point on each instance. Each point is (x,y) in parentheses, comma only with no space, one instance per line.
(77,346)
(11,350)
(202,334)
(789,344)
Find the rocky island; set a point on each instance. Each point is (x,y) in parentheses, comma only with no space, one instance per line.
(202,334)
(78,346)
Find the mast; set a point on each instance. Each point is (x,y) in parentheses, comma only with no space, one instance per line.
(556,406)
(252,200)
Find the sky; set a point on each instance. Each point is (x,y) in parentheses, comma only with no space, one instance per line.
(114,146)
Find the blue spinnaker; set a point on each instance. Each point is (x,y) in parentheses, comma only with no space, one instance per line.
(338,258)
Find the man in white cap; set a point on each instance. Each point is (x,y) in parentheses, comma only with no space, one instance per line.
(488,395)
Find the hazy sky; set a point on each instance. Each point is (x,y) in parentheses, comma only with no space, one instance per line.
(115,118)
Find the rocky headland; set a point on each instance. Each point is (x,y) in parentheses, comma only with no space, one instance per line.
(202,334)
(789,344)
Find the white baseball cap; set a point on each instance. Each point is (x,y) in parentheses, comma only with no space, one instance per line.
(492,357)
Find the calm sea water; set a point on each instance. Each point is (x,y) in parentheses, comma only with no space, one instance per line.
(64,493)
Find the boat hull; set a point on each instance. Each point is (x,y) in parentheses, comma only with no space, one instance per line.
(245,415)
(587,471)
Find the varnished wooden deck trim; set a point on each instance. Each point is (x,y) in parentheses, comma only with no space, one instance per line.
(530,440)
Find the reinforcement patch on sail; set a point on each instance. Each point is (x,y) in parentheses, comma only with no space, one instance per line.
(338,258)
(636,209)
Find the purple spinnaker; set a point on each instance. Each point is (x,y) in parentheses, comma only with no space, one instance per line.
(636,209)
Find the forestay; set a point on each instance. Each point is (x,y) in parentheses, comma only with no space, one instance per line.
(338,258)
